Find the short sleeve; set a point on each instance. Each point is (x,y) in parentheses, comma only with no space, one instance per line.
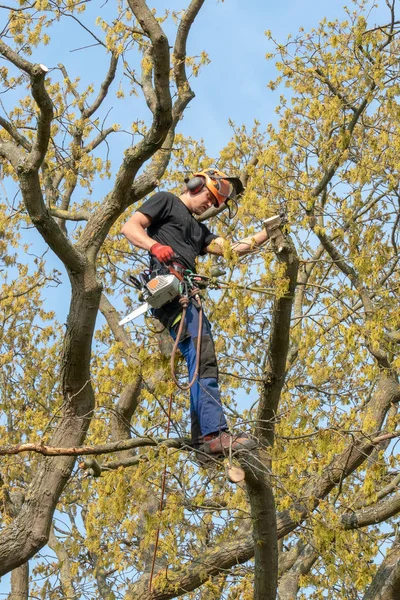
(157,207)
(208,237)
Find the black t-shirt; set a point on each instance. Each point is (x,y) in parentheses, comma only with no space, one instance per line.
(172,224)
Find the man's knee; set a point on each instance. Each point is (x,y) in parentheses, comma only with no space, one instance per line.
(208,362)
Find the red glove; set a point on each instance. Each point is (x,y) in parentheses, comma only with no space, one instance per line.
(162,253)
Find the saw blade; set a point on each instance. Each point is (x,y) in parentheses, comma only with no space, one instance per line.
(136,313)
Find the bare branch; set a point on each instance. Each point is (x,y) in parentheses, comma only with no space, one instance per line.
(98,139)
(88,112)
(179,53)
(66,215)
(93,450)
(372,514)
(15,134)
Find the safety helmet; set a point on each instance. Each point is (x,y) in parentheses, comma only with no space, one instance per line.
(220,185)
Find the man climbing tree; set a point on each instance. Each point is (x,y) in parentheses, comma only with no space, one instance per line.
(175,236)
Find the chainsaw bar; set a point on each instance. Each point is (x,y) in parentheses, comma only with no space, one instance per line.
(136,313)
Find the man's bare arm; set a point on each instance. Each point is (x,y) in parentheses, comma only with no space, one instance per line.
(245,246)
(135,231)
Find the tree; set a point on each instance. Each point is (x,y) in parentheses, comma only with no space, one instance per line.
(310,334)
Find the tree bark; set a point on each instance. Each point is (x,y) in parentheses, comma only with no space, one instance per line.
(386,583)
(20,583)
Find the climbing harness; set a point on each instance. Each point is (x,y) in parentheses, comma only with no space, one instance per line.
(159,289)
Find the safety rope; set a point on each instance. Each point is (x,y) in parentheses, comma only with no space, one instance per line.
(185,301)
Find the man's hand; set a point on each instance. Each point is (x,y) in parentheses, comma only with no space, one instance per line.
(162,253)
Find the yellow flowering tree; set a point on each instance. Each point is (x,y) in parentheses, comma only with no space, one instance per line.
(308,336)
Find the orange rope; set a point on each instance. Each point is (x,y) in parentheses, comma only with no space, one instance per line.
(198,347)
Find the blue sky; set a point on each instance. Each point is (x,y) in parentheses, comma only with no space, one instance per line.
(233,86)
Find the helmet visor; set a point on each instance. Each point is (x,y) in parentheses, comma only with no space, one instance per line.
(224,187)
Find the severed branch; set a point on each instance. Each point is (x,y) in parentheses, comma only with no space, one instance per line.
(277,352)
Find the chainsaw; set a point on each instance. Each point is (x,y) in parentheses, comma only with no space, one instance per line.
(159,289)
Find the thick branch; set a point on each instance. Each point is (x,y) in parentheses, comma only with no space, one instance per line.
(147,79)
(65,566)
(45,224)
(20,583)
(277,349)
(112,317)
(114,204)
(386,583)
(43,100)
(290,582)
(159,42)
(179,54)
(372,514)
(11,152)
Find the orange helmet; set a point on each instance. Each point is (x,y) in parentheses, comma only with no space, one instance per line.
(220,185)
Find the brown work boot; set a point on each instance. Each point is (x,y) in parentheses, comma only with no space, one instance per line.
(223,441)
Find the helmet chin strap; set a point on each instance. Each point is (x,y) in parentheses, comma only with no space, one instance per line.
(231,213)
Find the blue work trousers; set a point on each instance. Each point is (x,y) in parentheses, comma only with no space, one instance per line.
(206,410)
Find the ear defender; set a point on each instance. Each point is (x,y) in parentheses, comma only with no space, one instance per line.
(195,184)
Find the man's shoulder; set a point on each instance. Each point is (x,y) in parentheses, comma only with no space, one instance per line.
(162,196)
(158,203)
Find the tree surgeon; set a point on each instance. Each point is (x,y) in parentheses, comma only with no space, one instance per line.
(166,226)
